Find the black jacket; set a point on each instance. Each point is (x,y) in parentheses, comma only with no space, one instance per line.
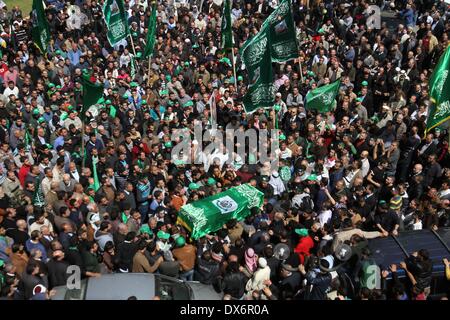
(421,271)
(206,271)
(126,252)
(57,273)
(318,286)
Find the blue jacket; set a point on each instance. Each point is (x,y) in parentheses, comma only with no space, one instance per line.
(408,15)
(39,246)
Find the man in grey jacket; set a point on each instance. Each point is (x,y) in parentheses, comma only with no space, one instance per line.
(294,99)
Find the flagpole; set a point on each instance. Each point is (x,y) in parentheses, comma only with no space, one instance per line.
(301,72)
(234,68)
(83,161)
(132,44)
(149,69)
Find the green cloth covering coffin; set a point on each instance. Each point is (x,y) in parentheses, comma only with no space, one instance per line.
(210,214)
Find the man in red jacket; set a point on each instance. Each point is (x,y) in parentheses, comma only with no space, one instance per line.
(23,172)
(305,244)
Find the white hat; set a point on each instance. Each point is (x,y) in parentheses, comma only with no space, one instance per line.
(95,218)
(262,262)
(278,94)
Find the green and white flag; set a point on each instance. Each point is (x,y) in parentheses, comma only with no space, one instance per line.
(210,214)
(283,38)
(40,31)
(92,95)
(96,184)
(440,92)
(322,98)
(38,195)
(115,20)
(226,28)
(151,33)
(256,56)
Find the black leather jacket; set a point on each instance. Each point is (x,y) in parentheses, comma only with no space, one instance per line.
(421,270)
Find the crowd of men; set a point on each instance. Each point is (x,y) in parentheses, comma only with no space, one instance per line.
(362,171)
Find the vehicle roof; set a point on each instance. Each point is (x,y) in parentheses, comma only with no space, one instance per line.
(120,286)
(387,251)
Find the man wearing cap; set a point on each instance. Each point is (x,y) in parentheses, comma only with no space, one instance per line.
(163,241)
(72,119)
(186,255)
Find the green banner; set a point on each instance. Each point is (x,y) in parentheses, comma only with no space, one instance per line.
(210,214)
(283,38)
(226,28)
(322,98)
(440,92)
(40,31)
(92,94)
(151,33)
(115,20)
(256,56)
(96,184)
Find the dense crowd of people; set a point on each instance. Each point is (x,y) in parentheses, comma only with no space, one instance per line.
(362,171)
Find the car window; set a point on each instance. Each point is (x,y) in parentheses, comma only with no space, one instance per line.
(168,289)
(77,294)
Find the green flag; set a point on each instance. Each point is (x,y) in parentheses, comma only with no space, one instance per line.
(226,28)
(283,38)
(256,56)
(112,111)
(115,20)
(210,214)
(440,92)
(40,31)
(28,138)
(96,185)
(322,98)
(92,94)
(151,33)
(38,196)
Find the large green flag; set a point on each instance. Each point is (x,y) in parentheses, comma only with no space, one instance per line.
(151,33)
(226,28)
(256,56)
(440,92)
(322,98)
(92,94)
(115,20)
(40,31)
(283,38)
(210,214)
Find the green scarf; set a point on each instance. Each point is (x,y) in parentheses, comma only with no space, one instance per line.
(124,217)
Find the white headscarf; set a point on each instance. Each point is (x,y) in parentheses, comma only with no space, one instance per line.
(277,184)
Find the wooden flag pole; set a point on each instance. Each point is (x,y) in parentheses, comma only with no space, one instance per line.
(132,44)
(149,69)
